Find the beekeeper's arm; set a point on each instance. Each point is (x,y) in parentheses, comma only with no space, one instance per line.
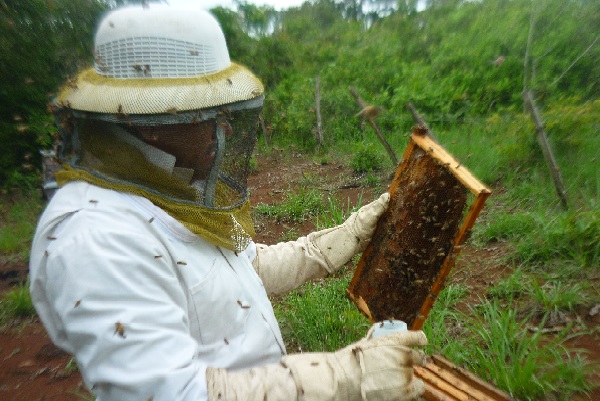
(287,265)
(369,370)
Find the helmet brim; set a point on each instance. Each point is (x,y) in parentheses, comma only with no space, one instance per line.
(92,92)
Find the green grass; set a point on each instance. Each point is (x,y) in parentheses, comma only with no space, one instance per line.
(517,285)
(16,303)
(337,212)
(296,207)
(318,317)
(442,326)
(525,364)
(559,296)
(366,158)
(18,217)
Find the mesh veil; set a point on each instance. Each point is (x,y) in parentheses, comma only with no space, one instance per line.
(194,165)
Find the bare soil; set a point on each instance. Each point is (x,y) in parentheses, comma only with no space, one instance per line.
(33,369)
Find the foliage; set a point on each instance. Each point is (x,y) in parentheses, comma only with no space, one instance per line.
(336,213)
(41,43)
(366,159)
(295,207)
(526,365)
(571,236)
(318,317)
(16,303)
(18,217)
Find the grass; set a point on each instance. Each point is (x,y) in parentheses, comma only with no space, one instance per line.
(318,317)
(296,207)
(336,213)
(16,303)
(526,365)
(18,218)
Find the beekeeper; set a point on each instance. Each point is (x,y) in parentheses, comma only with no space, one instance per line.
(143,265)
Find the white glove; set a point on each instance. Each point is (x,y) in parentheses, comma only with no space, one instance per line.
(379,369)
(339,244)
(287,265)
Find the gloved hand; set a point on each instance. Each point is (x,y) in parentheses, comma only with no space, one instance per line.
(339,244)
(287,265)
(378,369)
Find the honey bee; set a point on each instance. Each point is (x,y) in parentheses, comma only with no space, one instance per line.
(157,256)
(370,112)
(241,304)
(193,52)
(71,83)
(93,201)
(100,62)
(137,67)
(46,253)
(151,220)
(226,341)
(229,81)
(120,329)
(51,238)
(182,263)
(146,68)
(77,303)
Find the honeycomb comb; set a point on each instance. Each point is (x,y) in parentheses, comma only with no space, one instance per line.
(419,237)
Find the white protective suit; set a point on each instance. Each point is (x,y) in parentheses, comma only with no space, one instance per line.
(147,307)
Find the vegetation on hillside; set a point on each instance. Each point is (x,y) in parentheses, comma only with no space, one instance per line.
(464,65)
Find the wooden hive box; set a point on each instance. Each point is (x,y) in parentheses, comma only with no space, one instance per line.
(418,238)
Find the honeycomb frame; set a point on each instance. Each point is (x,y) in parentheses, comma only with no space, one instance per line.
(418,238)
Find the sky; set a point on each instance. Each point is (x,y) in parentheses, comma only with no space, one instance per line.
(207,4)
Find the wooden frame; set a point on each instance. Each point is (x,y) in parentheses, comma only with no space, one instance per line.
(426,170)
(445,381)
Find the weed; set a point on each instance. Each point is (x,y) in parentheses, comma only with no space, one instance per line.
(16,303)
(290,235)
(71,366)
(443,328)
(525,365)
(366,158)
(253,165)
(18,217)
(318,317)
(558,296)
(82,395)
(569,236)
(336,213)
(295,207)
(518,284)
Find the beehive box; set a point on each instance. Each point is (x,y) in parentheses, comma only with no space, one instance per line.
(418,238)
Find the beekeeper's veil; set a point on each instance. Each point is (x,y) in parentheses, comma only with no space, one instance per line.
(166,115)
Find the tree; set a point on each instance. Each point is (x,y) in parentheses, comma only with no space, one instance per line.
(42,42)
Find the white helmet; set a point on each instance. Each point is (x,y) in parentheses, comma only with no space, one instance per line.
(159,59)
